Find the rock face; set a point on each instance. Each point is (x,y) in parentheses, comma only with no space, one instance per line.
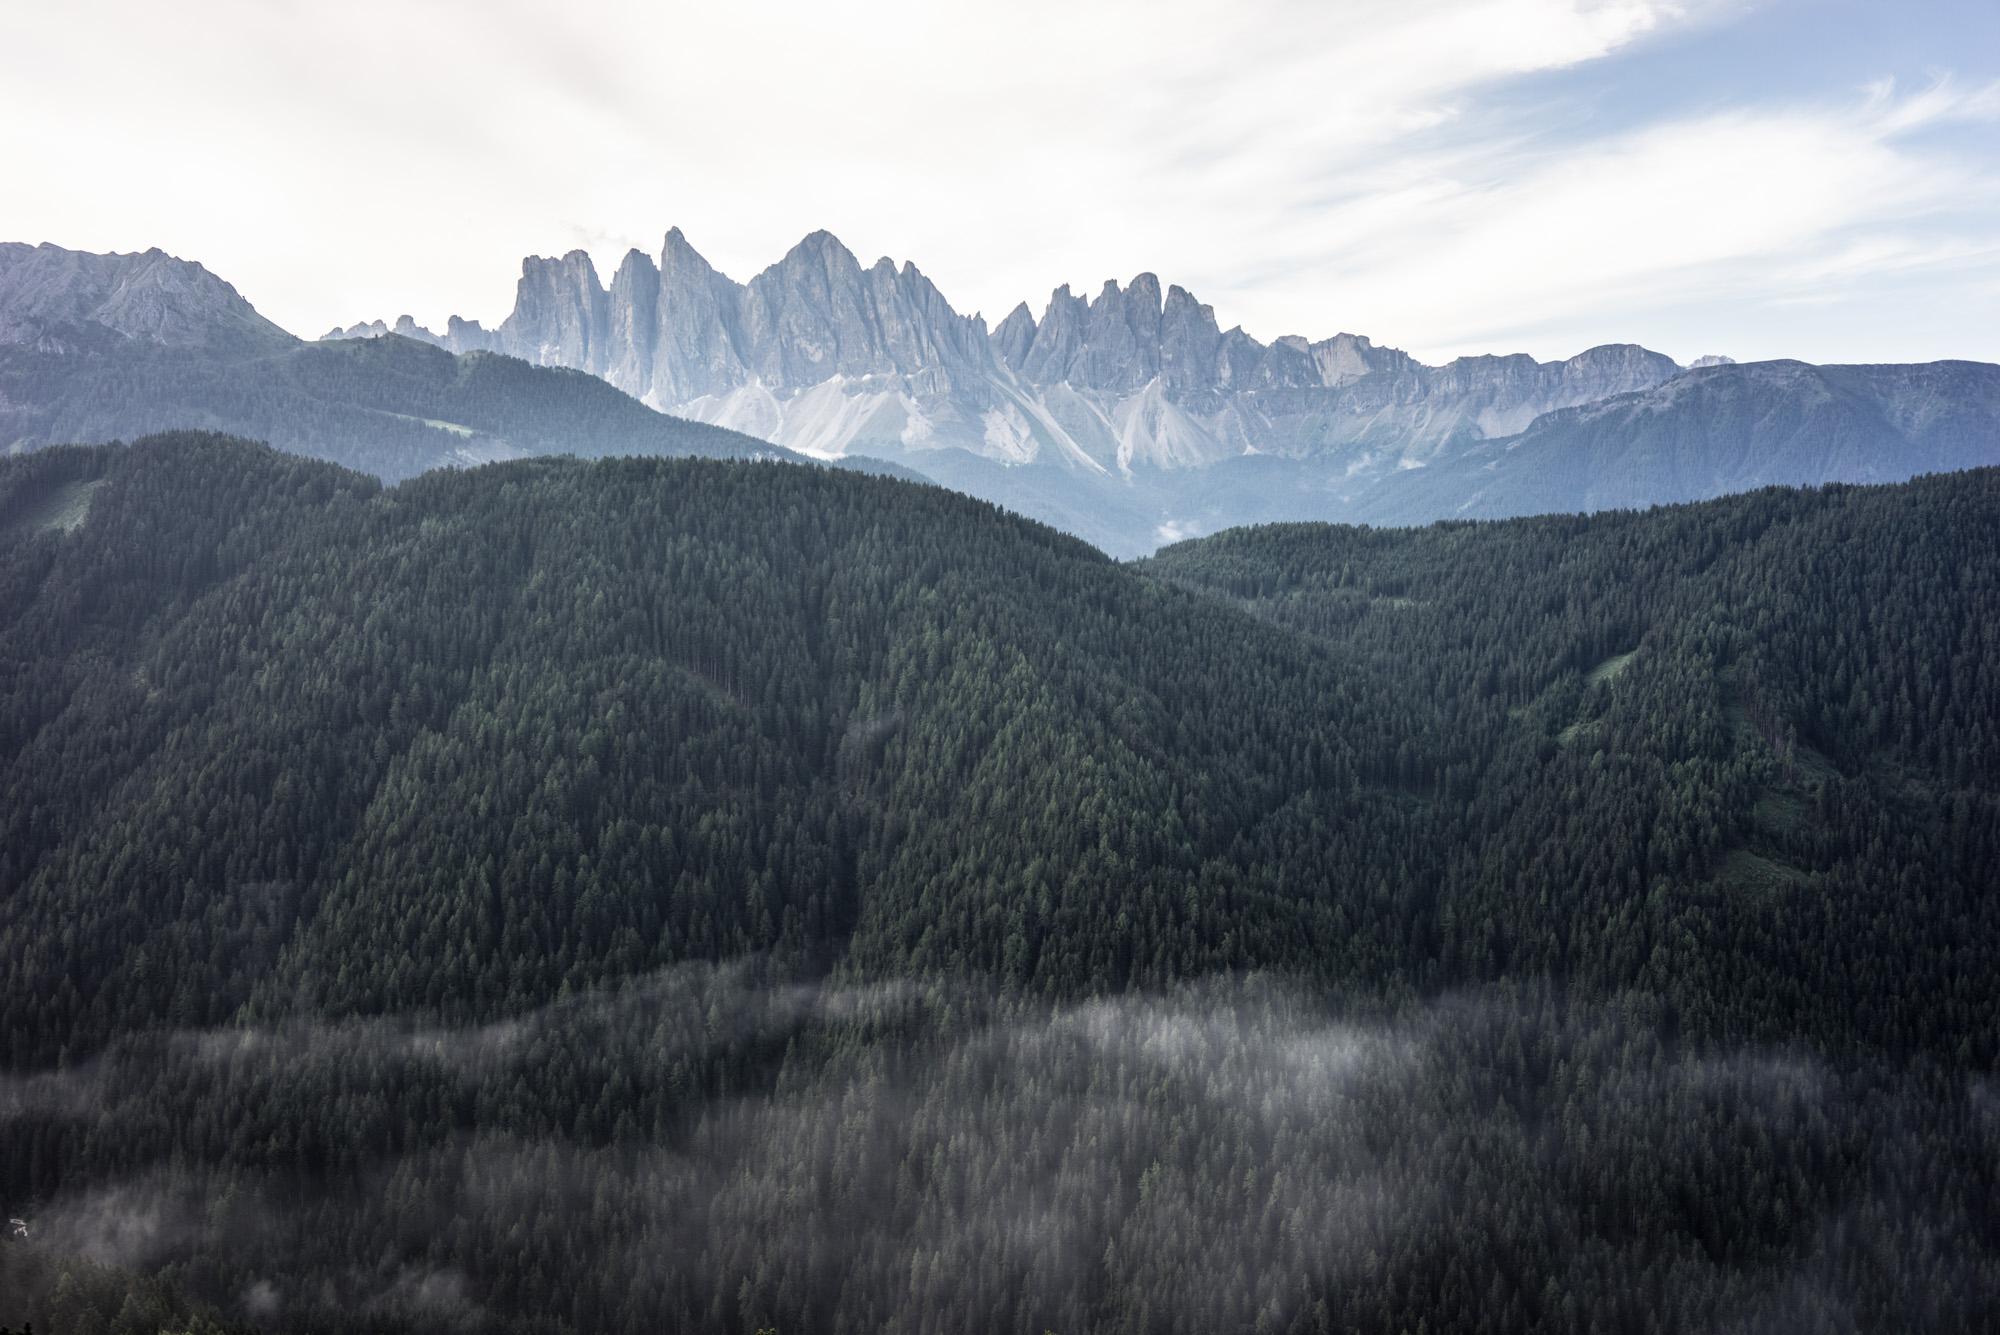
(57,300)
(821,354)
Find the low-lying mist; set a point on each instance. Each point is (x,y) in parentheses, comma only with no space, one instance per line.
(719,1149)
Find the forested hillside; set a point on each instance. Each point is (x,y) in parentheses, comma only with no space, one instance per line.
(633,894)
(1746,753)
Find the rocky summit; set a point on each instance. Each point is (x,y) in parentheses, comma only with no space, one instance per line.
(58,300)
(824,355)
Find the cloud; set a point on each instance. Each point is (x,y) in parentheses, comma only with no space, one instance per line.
(1415,169)
(340,161)
(1889,113)
(263,1300)
(1729,207)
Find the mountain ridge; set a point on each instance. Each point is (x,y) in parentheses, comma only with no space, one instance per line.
(1148,424)
(62,300)
(1133,418)
(1730,428)
(818,353)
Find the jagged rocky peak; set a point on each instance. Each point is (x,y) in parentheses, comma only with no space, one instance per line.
(696,350)
(636,267)
(1345,358)
(1288,363)
(1237,357)
(636,282)
(560,313)
(460,335)
(572,273)
(405,326)
(1181,311)
(365,329)
(1189,342)
(817,264)
(1113,342)
(813,315)
(60,299)
(820,252)
(1142,299)
(1121,338)
(632,320)
(1014,336)
(803,318)
(1490,366)
(1058,338)
(1143,310)
(1530,386)
(1614,368)
(923,337)
(679,259)
(1618,355)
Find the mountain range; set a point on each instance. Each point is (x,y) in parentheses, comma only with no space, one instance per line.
(827,357)
(1169,425)
(1130,419)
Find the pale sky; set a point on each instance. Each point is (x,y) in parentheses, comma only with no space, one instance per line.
(1762,178)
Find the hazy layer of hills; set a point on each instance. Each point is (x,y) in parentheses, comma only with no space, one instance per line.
(640,894)
(1129,419)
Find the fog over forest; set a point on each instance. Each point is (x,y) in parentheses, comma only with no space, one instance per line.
(922,1156)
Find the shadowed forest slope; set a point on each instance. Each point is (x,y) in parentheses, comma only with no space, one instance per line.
(640,894)
(276,737)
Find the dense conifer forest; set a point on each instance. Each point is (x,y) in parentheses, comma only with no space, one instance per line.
(625,895)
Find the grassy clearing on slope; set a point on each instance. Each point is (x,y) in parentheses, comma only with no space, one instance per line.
(1754,873)
(1610,667)
(1580,731)
(62,509)
(460,430)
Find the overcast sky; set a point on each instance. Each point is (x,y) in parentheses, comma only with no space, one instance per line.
(1811,178)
